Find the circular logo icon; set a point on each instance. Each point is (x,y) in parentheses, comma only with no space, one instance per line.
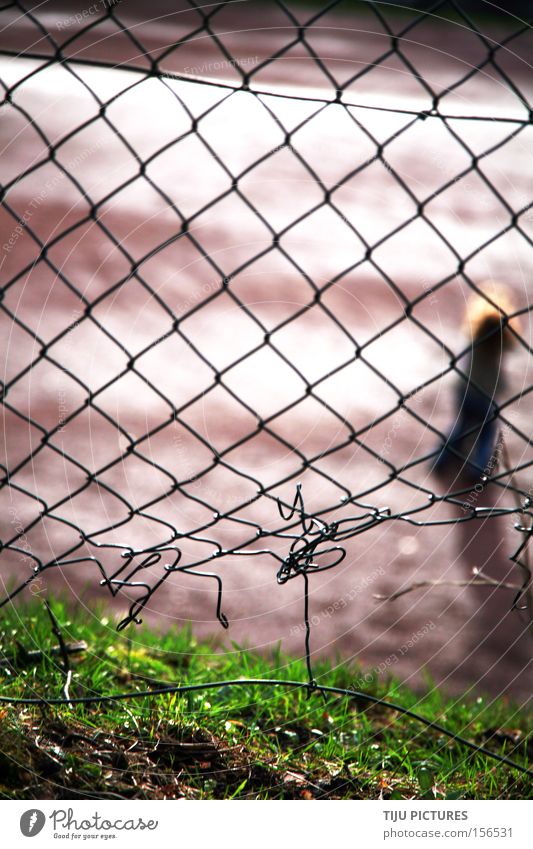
(32,822)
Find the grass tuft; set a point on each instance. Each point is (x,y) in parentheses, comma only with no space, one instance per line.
(230,742)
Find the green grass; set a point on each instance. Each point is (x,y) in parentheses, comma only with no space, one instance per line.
(230,742)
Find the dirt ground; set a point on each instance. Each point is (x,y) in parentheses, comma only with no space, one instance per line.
(464,637)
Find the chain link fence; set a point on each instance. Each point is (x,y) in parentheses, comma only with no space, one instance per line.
(138,443)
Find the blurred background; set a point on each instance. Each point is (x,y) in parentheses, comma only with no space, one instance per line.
(234,239)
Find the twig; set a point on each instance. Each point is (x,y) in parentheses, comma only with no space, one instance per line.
(474,582)
(56,630)
(27,657)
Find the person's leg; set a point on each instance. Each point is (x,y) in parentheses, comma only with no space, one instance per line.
(471,441)
(483,448)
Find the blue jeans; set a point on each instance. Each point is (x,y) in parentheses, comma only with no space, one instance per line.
(476,422)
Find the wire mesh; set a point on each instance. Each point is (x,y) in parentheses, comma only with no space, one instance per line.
(302,517)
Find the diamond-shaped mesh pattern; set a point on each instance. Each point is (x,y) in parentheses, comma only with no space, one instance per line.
(265,278)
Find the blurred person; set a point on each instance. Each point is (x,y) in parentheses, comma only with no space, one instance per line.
(491,329)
